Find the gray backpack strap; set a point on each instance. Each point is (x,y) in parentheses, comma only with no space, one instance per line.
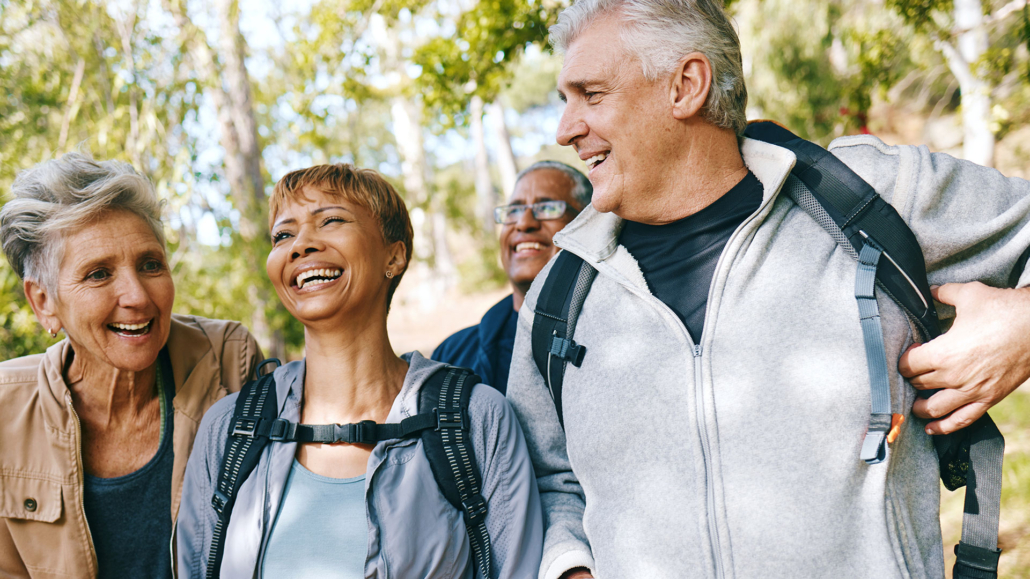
(971,457)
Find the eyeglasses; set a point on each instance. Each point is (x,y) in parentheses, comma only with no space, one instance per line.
(542,211)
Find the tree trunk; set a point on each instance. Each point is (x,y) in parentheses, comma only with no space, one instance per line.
(430,232)
(978,142)
(505,155)
(243,164)
(485,197)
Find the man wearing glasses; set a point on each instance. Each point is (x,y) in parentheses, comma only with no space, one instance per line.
(547,196)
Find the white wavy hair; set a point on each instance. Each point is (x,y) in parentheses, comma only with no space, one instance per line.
(60,196)
(661,32)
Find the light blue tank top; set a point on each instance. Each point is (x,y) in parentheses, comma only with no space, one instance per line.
(320,530)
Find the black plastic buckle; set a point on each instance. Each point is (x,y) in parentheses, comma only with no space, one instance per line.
(364,432)
(474,509)
(567,349)
(977,558)
(451,419)
(279,430)
(218,501)
(259,370)
(245,427)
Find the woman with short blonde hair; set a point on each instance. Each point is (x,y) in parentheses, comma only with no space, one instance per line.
(342,241)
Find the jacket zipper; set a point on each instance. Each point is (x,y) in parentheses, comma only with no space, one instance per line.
(82,480)
(706,454)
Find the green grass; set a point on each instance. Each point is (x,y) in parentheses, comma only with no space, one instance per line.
(1013,418)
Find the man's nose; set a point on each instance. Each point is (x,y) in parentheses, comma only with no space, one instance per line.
(527,221)
(571,126)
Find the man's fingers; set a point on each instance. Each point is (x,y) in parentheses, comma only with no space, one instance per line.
(941,403)
(951,293)
(917,360)
(958,419)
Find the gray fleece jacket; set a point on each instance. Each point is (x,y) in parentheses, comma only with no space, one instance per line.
(735,454)
(413,532)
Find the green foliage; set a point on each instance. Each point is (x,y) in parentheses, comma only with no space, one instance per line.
(478,58)
(20,333)
(923,15)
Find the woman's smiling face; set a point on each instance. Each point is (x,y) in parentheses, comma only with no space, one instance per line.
(329,261)
(114,292)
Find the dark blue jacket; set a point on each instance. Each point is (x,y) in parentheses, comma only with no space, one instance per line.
(486,347)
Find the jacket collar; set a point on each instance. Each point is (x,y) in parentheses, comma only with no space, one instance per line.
(289,385)
(594,236)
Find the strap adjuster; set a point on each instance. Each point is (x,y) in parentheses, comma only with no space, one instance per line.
(218,501)
(874,447)
(567,349)
(977,558)
(451,419)
(245,427)
(279,430)
(474,509)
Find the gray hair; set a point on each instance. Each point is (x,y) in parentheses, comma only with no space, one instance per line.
(582,190)
(661,32)
(61,195)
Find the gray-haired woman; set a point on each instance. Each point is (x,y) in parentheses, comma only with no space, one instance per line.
(95,433)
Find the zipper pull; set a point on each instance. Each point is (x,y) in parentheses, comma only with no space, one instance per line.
(697,351)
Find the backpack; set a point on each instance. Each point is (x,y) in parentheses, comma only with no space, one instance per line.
(872,232)
(442,423)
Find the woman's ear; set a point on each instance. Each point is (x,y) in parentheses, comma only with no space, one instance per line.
(397,258)
(44,304)
(690,86)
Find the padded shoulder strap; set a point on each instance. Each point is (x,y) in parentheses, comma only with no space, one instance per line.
(451,456)
(870,228)
(257,400)
(554,322)
(861,214)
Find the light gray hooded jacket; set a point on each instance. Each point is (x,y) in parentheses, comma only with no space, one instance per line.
(735,454)
(413,532)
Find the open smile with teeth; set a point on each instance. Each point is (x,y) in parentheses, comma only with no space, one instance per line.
(527,245)
(596,160)
(313,277)
(131,329)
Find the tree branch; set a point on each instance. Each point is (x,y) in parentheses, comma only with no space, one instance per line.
(1005,11)
(73,103)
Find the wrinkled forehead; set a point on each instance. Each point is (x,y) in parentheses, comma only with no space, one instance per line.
(546,184)
(598,51)
(288,202)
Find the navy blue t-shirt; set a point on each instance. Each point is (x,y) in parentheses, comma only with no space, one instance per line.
(130,516)
(678,259)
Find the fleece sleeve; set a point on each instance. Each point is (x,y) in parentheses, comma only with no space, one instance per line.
(565,543)
(972,222)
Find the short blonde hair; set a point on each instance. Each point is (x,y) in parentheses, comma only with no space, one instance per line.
(363,187)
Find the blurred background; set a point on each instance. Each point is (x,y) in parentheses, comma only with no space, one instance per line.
(216,100)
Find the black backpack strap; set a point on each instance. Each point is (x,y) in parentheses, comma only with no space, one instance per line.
(554,322)
(448,447)
(257,400)
(869,229)
(861,214)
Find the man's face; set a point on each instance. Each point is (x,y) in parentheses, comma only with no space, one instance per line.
(526,245)
(620,123)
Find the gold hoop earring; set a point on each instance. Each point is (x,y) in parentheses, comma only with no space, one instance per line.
(389,274)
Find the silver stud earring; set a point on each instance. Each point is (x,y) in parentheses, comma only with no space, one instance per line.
(389,274)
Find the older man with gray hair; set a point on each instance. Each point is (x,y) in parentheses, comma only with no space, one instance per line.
(715,425)
(547,196)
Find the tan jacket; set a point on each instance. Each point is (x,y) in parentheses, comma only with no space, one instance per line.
(43,529)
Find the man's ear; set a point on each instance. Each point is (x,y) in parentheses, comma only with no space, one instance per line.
(689,90)
(397,261)
(44,304)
